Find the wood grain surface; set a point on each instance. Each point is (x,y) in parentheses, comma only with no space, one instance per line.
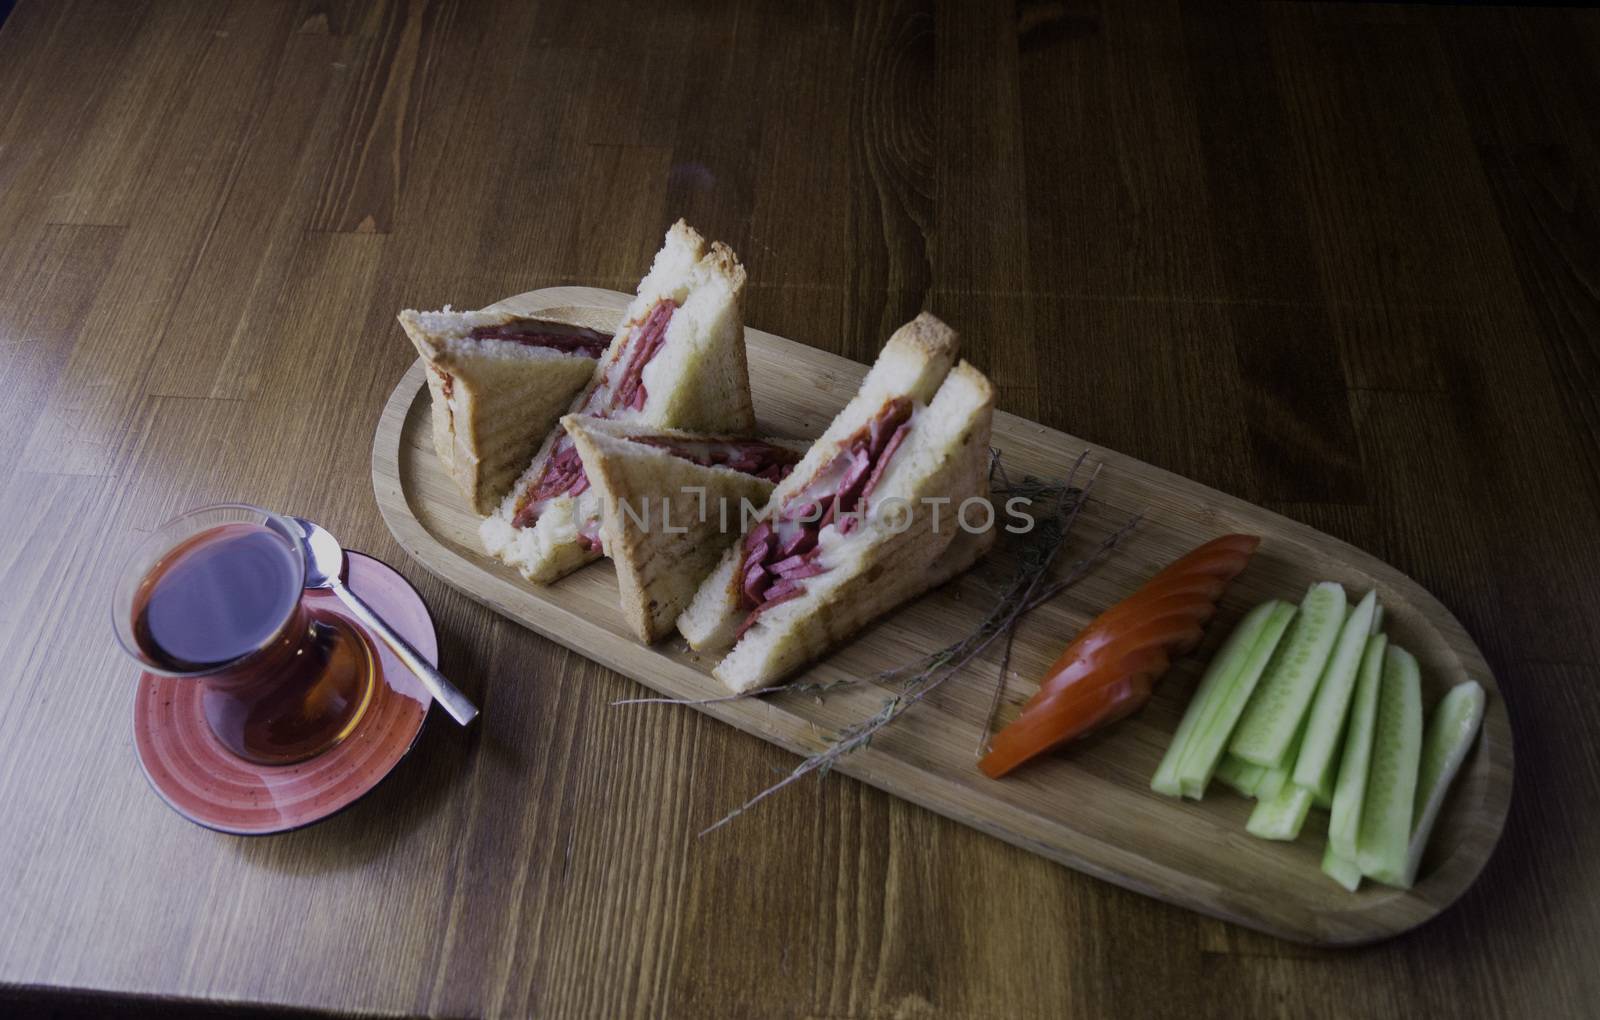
(1089,807)
(1337,260)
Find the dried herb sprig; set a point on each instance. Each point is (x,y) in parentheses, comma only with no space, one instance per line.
(1038,490)
(1021,595)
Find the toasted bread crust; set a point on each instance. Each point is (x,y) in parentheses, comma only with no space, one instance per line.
(721,260)
(489,412)
(929,335)
(686,235)
(658,570)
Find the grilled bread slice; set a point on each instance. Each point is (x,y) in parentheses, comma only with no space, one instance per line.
(867,571)
(911,366)
(499,381)
(671,502)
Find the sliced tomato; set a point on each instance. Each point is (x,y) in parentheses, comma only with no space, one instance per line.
(1108,671)
(1203,558)
(1140,614)
(1195,608)
(1205,585)
(1063,719)
(1175,632)
(1203,591)
(1206,571)
(1150,660)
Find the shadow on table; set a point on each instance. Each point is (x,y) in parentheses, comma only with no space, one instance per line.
(31,1003)
(435,776)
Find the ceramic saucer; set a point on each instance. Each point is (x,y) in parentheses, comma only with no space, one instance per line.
(209,785)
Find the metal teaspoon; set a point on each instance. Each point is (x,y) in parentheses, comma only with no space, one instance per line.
(324,569)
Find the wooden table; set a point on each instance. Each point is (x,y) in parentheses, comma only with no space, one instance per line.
(1343,261)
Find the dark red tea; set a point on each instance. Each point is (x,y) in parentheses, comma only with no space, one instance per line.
(219,596)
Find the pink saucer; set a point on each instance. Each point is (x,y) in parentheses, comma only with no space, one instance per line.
(209,785)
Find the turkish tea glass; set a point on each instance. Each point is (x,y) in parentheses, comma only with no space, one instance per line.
(217,596)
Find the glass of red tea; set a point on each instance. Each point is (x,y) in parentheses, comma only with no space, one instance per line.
(217,596)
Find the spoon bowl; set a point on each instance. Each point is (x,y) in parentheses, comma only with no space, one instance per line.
(325,569)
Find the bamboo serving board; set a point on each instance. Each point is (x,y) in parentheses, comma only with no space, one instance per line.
(1088,806)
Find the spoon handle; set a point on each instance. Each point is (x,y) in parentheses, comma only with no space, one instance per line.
(443,691)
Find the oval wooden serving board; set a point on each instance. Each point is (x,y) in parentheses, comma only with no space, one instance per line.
(1088,806)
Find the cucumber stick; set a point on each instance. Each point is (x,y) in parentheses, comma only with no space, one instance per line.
(1273,716)
(1314,767)
(1280,816)
(1344,821)
(1229,669)
(1450,733)
(1341,869)
(1272,781)
(1280,807)
(1392,773)
(1240,774)
(1221,713)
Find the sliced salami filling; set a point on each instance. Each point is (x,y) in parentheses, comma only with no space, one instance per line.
(781,552)
(749,456)
(557,336)
(621,387)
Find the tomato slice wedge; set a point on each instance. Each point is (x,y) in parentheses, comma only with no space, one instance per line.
(1108,670)
(1063,719)
(1195,606)
(1215,554)
(1174,632)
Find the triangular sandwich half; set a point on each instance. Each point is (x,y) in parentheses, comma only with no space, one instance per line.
(499,381)
(872,517)
(678,361)
(671,503)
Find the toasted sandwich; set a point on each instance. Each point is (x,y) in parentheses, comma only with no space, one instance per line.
(671,502)
(499,382)
(677,361)
(871,517)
